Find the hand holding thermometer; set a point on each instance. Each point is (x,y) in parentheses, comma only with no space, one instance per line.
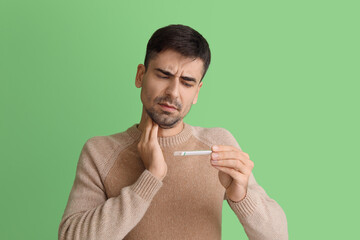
(192,153)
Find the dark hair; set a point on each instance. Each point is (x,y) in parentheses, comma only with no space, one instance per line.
(182,39)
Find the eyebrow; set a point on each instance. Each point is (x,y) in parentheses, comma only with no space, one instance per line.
(170,74)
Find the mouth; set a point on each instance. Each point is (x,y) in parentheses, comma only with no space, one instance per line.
(168,107)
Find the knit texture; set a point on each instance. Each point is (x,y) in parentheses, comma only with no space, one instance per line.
(115,197)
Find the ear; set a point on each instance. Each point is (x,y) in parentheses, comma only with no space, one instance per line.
(139,75)
(197,93)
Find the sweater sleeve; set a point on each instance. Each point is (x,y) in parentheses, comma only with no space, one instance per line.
(90,215)
(261,216)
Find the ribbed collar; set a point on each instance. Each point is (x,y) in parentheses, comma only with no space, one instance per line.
(179,138)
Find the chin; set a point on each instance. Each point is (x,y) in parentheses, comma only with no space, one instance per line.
(165,126)
(163,119)
(168,125)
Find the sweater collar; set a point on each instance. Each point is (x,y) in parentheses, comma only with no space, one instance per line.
(177,139)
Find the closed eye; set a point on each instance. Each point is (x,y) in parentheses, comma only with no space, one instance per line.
(187,85)
(167,77)
(163,76)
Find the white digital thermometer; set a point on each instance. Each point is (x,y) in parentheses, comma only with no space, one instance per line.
(192,153)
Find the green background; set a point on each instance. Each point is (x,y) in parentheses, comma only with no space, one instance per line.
(284,80)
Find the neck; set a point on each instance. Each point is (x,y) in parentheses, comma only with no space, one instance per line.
(163,132)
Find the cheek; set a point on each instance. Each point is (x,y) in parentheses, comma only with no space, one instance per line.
(143,96)
(190,98)
(187,102)
(148,93)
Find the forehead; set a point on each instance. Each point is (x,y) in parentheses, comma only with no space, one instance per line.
(172,61)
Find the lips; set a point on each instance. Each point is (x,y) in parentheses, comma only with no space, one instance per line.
(168,105)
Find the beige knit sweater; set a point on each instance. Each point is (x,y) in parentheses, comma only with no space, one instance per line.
(115,197)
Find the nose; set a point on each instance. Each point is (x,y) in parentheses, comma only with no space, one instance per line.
(173,88)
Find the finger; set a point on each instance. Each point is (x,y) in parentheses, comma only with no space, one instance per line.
(154,132)
(224,148)
(249,163)
(232,172)
(226,155)
(242,156)
(220,148)
(231,156)
(148,127)
(235,164)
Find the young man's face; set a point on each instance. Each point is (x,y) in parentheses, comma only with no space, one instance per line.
(169,87)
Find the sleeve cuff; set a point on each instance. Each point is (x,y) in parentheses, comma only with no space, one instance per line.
(147,185)
(245,207)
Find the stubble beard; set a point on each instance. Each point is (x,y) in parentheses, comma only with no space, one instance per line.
(163,119)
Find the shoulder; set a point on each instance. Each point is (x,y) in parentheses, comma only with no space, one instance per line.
(103,145)
(215,136)
(100,152)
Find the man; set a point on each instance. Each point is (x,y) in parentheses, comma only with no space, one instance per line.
(129,185)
